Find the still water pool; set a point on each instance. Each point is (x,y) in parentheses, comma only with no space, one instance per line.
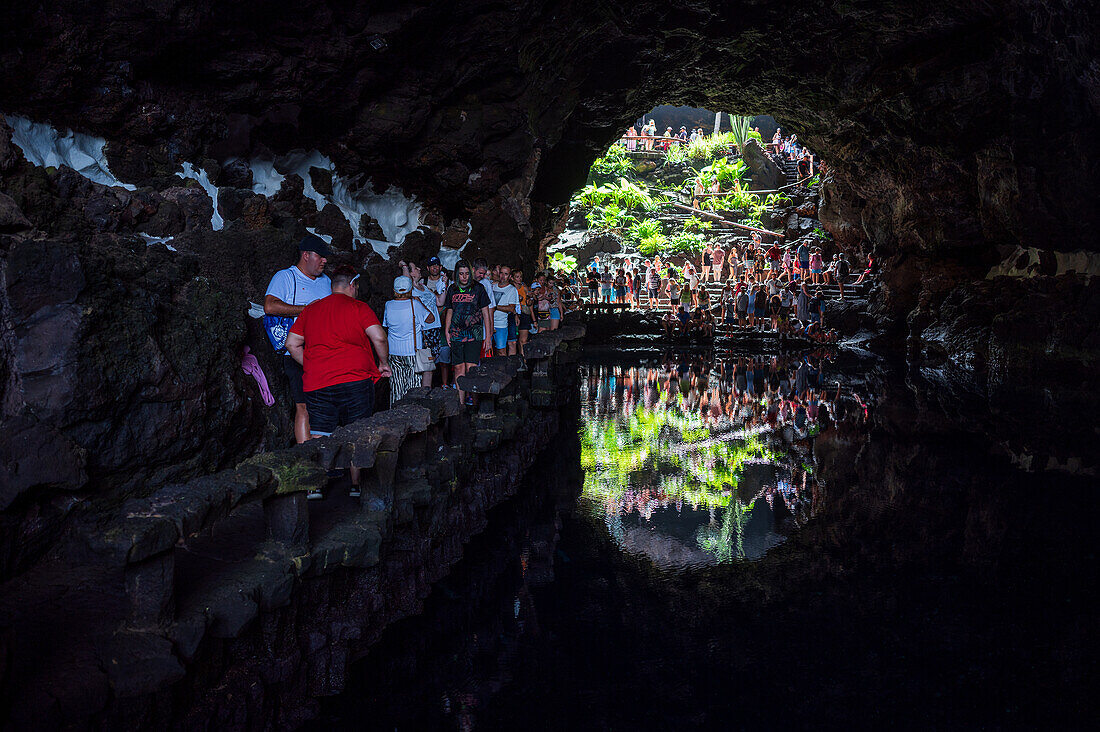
(692,462)
(737,541)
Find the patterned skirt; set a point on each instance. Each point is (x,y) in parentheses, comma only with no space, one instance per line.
(403,378)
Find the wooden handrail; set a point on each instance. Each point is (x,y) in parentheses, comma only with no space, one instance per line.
(721,220)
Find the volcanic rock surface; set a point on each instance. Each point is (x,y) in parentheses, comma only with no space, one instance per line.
(954,136)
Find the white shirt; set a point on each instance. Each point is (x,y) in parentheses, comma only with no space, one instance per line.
(507,295)
(427,297)
(398,321)
(488,285)
(293,287)
(438,286)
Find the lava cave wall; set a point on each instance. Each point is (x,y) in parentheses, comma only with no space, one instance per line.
(954,132)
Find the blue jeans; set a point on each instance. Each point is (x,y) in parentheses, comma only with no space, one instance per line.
(338,405)
(500,337)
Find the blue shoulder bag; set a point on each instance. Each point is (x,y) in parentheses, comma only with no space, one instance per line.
(277,327)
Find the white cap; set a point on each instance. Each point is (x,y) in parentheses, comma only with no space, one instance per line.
(402,284)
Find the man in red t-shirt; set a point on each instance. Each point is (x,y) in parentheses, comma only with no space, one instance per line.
(774,255)
(332,339)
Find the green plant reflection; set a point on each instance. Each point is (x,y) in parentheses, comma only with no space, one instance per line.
(681,482)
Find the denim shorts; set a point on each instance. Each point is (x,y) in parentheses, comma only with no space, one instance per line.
(500,337)
(555,314)
(338,405)
(513,332)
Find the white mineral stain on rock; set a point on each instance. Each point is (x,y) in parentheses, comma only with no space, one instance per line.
(46,147)
(150,239)
(200,175)
(396,213)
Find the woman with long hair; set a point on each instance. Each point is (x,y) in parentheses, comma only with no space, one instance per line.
(467,326)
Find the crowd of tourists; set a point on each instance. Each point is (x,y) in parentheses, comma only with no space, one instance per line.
(776,288)
(645,137)
(335,349)
(791,149)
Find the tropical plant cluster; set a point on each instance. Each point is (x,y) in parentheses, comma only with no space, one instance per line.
(703,149)
(627,207)
(614,164)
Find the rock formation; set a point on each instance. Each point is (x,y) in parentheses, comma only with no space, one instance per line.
(953,135)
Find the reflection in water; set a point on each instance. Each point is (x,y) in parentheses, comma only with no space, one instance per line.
(699,462)
(916,593)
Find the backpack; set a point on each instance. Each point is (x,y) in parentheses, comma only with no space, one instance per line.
(842,268)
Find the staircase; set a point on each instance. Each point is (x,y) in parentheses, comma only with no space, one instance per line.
(790,169)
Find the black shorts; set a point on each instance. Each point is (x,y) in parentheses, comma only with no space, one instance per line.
(293,371)
(525,321)
(338,405)
(674,301)
(465,352)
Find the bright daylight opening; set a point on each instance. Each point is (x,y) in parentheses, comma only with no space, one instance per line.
(711,220)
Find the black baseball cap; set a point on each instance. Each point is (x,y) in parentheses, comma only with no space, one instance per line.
(434,260)
(314,243)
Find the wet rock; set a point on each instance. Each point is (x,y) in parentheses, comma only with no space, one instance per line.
(11,218)
(766,175)
(10,155)
(321,178)
(231,203)
(369,228)
(235,174)
(193,204)
(33,456)
(331,221)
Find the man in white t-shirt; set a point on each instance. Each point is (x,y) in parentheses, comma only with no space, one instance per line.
(481,274)
(506,298)
(437,282)
(288,293)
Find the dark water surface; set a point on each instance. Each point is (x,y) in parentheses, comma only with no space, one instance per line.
(809,541)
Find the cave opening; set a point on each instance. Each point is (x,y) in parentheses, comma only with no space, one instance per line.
(158,164)
(715,206)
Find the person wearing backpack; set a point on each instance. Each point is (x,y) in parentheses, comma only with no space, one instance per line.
(288,293)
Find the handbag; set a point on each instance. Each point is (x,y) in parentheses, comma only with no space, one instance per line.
(277,327)
(423,360)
